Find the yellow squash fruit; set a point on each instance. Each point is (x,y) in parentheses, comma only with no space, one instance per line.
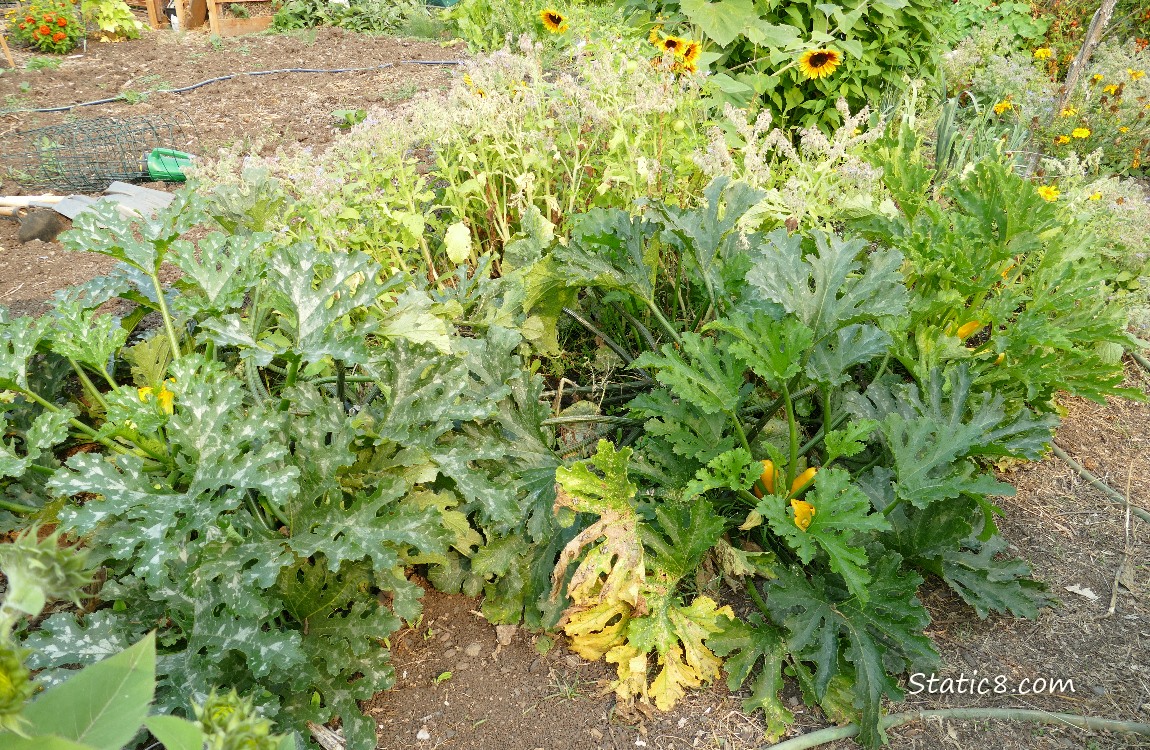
(802,480)
(767,480)
(968,329)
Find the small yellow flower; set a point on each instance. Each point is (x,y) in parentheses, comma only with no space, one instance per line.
(1123,129)
(553,21)
(1080,132)
(1003,106)
(653,37)
(1135,74)
(1111,89)
(804,512)
(819,63)
(165,397)
(1069,112)
(1096,78)
(966,330)
(1049,193)
(1095,197)
(1062,140)
(1043,53)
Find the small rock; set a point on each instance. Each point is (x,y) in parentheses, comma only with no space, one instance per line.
(423,735)
(1099,690)
(505,633)
(573,660)
(445,637)
(793,700)
(536,667)
(462,666)
(473,649)
(450,653)
(595,733)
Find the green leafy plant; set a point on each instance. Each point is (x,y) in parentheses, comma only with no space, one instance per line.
(42,63)
(346,118)
(47,26)
(112,18)
(775,443)
(796,59)
(1003,281)
(1025,24)
(300,430)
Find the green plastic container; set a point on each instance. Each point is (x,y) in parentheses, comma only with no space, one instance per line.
(167,164)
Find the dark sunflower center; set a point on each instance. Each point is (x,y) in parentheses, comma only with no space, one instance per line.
(672,44)
(821,59)
(554,18)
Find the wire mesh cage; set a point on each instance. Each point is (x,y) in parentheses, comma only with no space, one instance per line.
(87,155)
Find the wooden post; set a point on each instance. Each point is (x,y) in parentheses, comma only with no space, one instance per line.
(156,14)
(7,52)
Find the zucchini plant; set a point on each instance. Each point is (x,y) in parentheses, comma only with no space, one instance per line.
(257,471)
(781,443)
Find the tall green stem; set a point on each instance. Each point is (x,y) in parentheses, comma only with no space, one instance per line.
(794,430)
(670,329)
(166,315)
(739,430)
(89,386)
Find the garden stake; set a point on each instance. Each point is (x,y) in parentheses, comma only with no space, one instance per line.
(823,736)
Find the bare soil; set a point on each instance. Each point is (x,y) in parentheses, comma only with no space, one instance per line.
(463,684)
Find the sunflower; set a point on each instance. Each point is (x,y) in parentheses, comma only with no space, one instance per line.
(673,44)
(553,21)
(1062,140)
(653,37)
(691,52)
(1112,89)
(1049,193)
(819,63)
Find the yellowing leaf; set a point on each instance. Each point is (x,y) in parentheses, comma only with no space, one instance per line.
(457,242)
(595,631)
(673,679)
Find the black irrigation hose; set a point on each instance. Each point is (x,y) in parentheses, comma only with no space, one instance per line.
(194,86)
(1110,493)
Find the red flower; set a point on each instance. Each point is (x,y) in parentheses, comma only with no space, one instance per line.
(59,36)
(29,19)
(22,26)
(44,31)
(62,22)
(49,17)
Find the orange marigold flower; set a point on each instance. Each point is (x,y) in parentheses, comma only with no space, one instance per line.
(59,36)
(44,31)
(61,22)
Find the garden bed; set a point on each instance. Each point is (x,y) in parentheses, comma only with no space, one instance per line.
(462,683)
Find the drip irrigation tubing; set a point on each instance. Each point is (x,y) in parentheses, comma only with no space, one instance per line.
(192,87)
(823,736)
(1111,494)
